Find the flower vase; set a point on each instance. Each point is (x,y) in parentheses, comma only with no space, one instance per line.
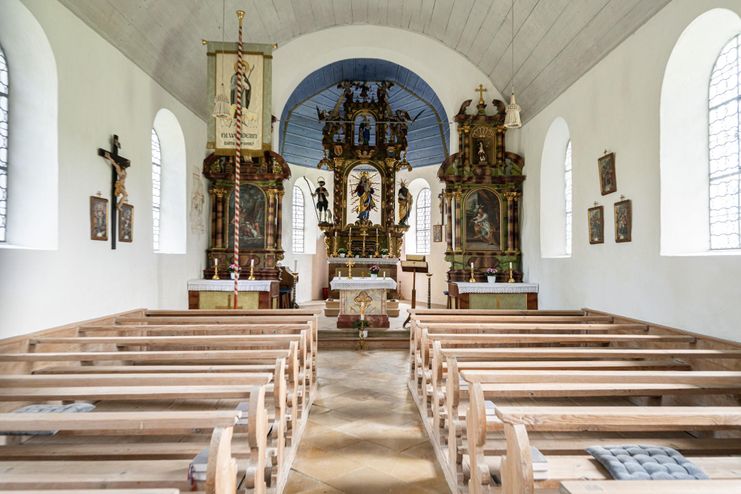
(234,275)
(342,254)
(491,279)
(374,275)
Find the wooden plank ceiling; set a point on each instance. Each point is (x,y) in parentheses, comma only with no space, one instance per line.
(556,41)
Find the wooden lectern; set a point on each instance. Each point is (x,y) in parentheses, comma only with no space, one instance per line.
(413,264)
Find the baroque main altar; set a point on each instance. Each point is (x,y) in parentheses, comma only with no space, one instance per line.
(364,142)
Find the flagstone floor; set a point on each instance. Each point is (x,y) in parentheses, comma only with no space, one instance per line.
(364,434)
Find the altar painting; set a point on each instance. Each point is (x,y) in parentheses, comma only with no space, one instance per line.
(483,221)
(364,196)
(252,214)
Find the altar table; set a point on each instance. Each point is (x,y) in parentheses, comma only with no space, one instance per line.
(389,265)
(353,290)
(494,295)
(219,294)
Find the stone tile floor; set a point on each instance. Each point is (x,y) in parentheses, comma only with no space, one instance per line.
(364,433)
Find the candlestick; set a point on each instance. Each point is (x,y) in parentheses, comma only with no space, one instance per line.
(252,269)
(350,264)
(384,275)
(376,253)
(365,235)
(349,242)
(511,277)
(334,249)
(339,273)
(472,279)
(216,269)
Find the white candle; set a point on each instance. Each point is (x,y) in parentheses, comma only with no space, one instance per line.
(252,263)
(216,262)
(471,265)
(510,265)
(295,265)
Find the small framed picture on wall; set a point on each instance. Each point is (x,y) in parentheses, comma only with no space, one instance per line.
(606,168)
(98,218)
(596,221)
(623,221)
(126,223)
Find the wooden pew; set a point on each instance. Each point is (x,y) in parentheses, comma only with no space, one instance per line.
(221,473)
(571,384)
(517,422)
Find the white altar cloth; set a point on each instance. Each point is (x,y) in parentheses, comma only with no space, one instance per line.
(362,283)
(228,285)
(364,260)
(503,287)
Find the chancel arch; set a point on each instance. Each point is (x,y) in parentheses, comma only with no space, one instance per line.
(32,130)
(556,191)
(172,211)
(689,134)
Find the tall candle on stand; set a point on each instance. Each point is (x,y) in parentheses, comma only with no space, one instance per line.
(216,269)
(349,243)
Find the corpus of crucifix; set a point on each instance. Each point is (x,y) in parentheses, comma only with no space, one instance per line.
(426,246)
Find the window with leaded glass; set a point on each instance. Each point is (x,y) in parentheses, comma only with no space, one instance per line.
(156,189)
(423,221)
(298,226)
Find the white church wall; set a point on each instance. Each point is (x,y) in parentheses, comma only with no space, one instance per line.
(312,264)
(616,106)
(436,258)
(100,93)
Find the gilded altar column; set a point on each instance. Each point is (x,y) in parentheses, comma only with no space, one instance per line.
(270,234)
(279,220)
(212,216)
(458,239)
(511,224)
(516,215)
(448,200)
(219,218)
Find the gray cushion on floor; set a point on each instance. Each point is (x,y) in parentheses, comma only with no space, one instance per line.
(641,462)
(46,408)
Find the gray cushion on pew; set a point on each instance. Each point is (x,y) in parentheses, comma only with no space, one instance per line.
(640,462)
(46,408)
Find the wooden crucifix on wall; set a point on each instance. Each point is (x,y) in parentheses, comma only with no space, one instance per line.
(119,196)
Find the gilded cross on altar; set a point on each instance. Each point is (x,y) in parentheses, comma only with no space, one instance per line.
(481,90)
(350,264)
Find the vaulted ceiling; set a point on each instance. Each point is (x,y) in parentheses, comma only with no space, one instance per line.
(556,41)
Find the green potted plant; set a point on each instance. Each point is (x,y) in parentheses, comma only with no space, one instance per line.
(342,251)
(384,253)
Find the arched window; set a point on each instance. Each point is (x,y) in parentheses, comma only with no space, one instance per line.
(423,221)
(3,145)
(156,190)
(724,148)
(567,194)
(298,226)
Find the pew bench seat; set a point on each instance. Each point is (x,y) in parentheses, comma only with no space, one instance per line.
(653,486)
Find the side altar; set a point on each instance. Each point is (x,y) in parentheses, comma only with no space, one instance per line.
(515,296)
(481,213)
(219,294)
(363,298)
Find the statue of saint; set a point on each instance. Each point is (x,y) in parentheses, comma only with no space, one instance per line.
(322,201)
(482,153)
(364,192)
(404,197)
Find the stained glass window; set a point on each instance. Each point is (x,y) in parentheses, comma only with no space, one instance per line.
(724,148)
(156,189)
(567,194)
(3,146)
(423,221)
(298,225)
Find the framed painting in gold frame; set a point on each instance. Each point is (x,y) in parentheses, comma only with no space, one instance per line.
(606,169)
(126,223)
(98,218)
(596,223)
(623,221)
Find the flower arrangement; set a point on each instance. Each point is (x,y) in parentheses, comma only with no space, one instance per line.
(234,268)
(491,271)
(374,269)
